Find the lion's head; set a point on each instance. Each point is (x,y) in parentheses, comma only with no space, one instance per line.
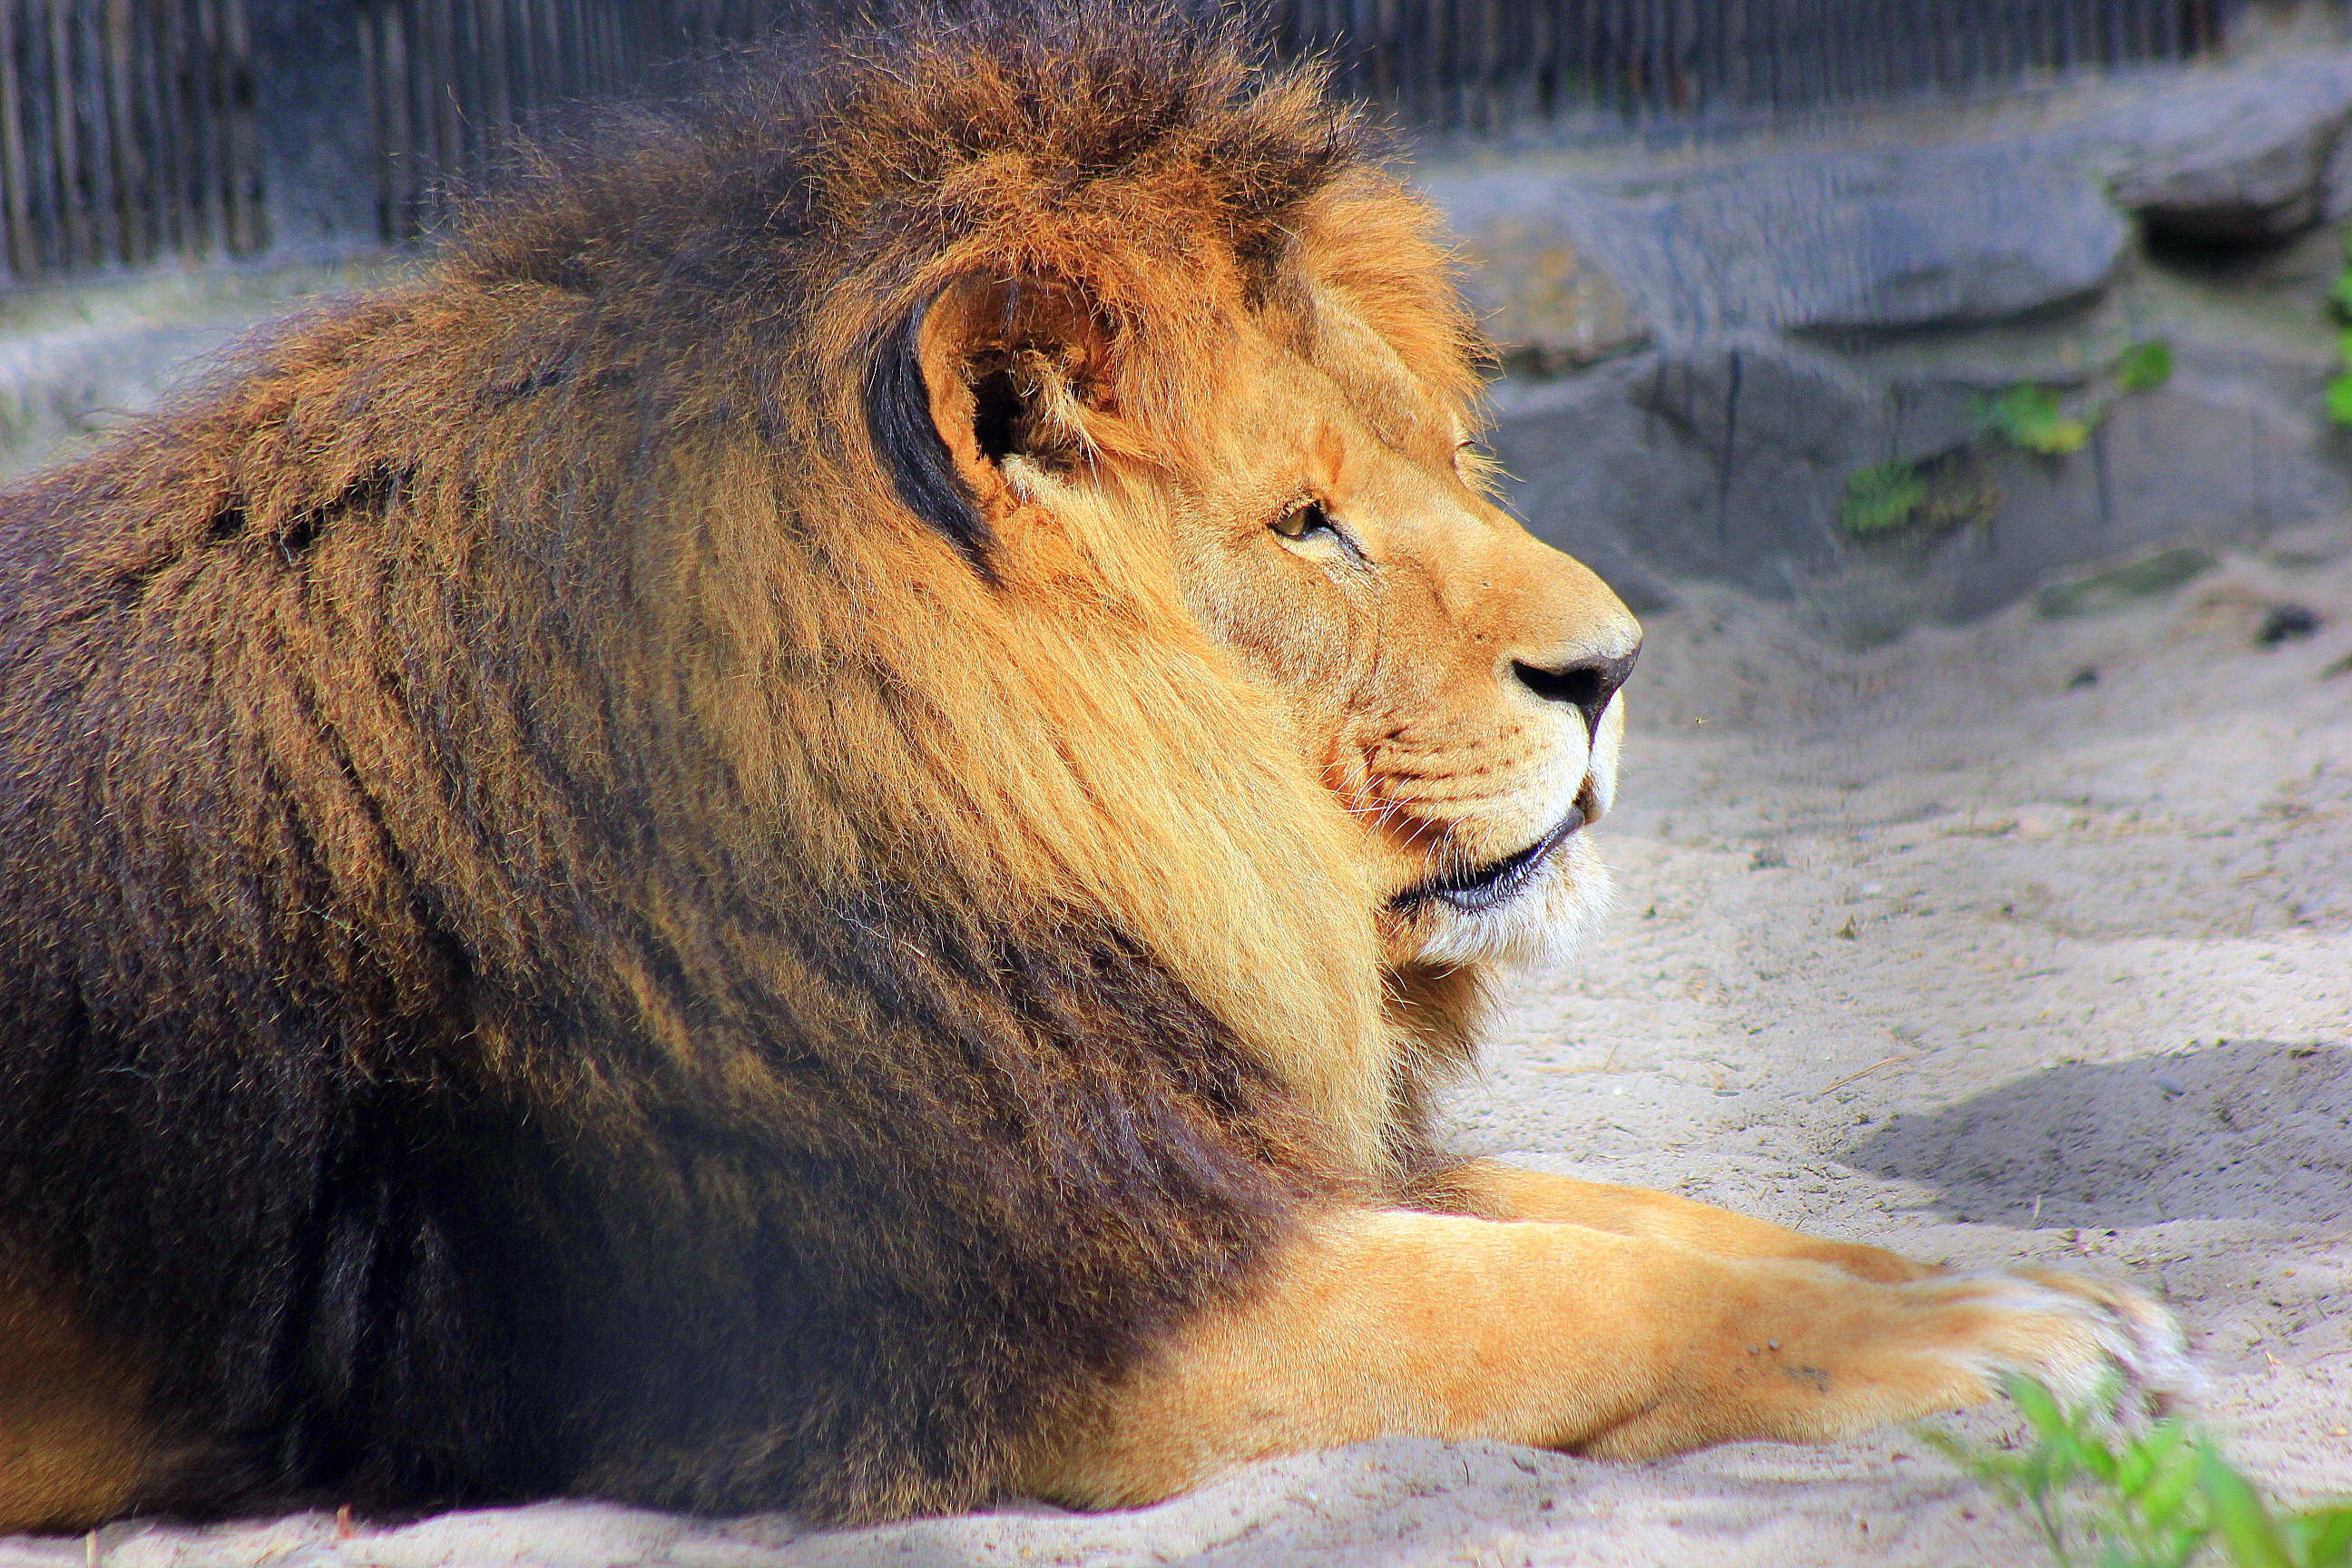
(1293,435)
(1454,678)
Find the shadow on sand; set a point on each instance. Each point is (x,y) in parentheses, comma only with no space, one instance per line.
(2244,1130)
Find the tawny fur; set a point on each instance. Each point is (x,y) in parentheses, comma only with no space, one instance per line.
(728,854)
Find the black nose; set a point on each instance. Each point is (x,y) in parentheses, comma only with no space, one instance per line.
(1586,684)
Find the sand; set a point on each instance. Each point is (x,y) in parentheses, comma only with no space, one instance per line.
(2031,940)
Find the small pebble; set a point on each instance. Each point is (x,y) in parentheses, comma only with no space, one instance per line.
(2287,623)
(2086,676)
(2173,1088)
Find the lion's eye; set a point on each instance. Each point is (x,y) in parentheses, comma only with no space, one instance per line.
(1302,519)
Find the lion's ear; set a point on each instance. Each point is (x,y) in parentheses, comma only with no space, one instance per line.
(990,370)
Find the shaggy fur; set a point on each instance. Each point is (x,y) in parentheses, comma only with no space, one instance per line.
(570,920)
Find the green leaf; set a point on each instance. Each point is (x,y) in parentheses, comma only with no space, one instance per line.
(2323,1537)
(2343,347)
(2169,1491)
(1881,499)
(2144,365)
(2339,399)
(2032,419)
(2340,291)
(2038,1405)
(2240,1516)
(2149,1458)
(2063,436)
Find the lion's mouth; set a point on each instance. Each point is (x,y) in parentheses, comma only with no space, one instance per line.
(1481,888)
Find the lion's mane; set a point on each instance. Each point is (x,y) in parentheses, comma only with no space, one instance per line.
(571,918)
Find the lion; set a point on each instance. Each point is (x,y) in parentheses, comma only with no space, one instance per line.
(808,830)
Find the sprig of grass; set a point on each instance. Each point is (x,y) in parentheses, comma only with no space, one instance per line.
(2163,1496)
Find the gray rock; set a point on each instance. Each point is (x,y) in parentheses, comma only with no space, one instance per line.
(1882,241)
(2244,157)
(1596,475)
(2204,461)
(1544,300)
(1815,312)
(2335,180)
(1725,460)
(1730,461)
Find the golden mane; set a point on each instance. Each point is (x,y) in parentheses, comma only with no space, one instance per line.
(566,720)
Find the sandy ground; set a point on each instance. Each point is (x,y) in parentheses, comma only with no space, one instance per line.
(1951,946)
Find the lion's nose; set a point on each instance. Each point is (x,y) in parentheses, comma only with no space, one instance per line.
(1584,684)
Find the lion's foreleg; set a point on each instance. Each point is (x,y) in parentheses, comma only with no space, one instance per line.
(1504,1192)
(1379,1322)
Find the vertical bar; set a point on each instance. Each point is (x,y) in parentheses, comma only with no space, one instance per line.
(497,109)
(24,255)
(173,142)
(418,86)
(220,179)
(132,184)
(73,227)
(208,231)
(400,121)
(372,89)
(574,35)
(93,113)
(448,117)
(465,84)
(248,223)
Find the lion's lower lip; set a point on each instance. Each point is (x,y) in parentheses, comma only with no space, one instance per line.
(1498,881)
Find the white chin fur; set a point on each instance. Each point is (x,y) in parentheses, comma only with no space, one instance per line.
(1546,923)
(1551,919)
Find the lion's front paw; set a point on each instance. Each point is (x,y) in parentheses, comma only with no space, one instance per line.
(1807,1352)
(2067,1330)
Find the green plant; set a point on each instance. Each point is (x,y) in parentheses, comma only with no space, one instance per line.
(2339,385)
(2339,398)
(2031,418)
(2160,1496)
(2144,366)
(2035,418)
(1882,497)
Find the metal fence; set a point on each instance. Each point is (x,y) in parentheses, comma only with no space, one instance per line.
(131,128)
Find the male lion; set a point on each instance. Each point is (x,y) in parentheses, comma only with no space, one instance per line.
(806,832)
